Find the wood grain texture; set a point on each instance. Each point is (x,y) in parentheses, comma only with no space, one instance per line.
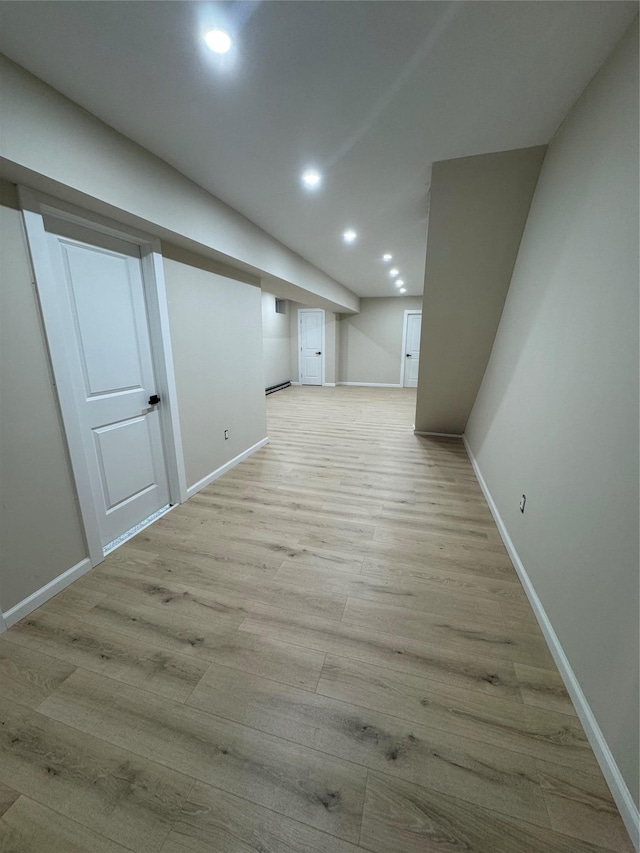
(458,710)
(404,818)
(7,798)
(467,768)
(112,791)
(29,676)
(401,654)
(299,782)
(89,645)
(214,820)
(327,650)
(28,827)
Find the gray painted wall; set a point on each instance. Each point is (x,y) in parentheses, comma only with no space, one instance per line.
(371,341)
(275,342)
(216,334)
(557,414)
(478,210)
(40,531)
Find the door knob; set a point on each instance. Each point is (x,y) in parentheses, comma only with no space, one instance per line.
(318,353)
(408,355)
(154,400)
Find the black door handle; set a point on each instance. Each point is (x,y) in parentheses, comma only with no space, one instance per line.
(408,355)
(154,400)
(318,353)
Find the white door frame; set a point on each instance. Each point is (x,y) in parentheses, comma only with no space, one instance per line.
(308,311)
(34,206)
(404,340)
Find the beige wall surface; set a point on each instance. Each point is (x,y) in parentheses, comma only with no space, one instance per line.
(216,334)
(371,341)
(478,210)
(275,342)
(40,529)
(557,414)
(46,137)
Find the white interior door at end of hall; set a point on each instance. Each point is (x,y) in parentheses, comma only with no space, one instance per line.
(412,352)
(101,292)
(311,323)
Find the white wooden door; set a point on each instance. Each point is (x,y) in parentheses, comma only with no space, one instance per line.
(104,314)
(412,349)
(311,356)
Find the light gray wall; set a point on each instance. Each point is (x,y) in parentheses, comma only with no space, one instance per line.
(331,330)
(48,138)
(275,342)
(216,334)
(478,210)
(556,417)
(371,341)
(40,531)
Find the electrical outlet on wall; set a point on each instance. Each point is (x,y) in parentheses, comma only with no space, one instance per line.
(226,434)
(523,501)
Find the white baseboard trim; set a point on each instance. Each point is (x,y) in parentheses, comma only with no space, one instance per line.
(438,434)
(372,384)
(28,604)
(205,481)
(620,791)
(328,384)
(296,383)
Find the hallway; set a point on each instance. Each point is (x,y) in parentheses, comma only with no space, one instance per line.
(326,650)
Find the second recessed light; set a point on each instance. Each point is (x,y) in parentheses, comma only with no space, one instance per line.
(393,272)
(349,235)
(311,179)
(218,41)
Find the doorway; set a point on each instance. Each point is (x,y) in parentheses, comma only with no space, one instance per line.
(311,346)
(105,321)
(411,349)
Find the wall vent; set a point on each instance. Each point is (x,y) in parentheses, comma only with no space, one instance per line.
(281,306)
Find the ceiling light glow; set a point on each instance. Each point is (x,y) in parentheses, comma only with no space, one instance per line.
(387,257)
(399,282)
(403,290)
(393,272)
(218,41)
(349,235)
(311,179)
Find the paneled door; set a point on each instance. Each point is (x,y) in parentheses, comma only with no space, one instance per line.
(413,322)
(311,335)
(103,312)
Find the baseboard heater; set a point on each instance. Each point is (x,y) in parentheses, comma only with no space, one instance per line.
(277,387)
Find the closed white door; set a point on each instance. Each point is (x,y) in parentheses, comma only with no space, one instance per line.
(104,315)
(311,328)
(412,350)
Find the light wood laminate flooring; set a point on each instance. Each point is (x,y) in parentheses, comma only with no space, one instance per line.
(325,651)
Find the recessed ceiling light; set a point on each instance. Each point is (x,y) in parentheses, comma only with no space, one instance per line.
(393,272)
(218,41)
(399,282)
(349,235)
(387,257)
(311,179)
(403,290)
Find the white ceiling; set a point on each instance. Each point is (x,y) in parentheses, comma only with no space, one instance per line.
(370,92)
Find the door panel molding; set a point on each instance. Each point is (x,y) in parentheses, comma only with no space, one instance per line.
(35,206)
(403,354)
